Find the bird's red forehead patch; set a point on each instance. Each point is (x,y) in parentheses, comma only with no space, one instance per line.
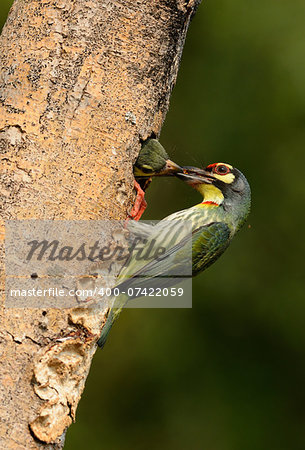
(210,166)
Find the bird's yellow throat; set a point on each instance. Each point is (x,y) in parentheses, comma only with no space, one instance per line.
(211,194)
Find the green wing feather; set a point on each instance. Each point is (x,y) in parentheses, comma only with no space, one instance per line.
(209,242)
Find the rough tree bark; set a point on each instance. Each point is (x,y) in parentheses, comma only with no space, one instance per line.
(81,83)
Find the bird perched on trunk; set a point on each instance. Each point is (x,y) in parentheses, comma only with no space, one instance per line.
(214,222)
(153,161)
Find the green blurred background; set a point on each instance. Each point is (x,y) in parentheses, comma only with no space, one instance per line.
(228,374)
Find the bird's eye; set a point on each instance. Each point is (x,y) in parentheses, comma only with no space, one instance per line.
(222,169)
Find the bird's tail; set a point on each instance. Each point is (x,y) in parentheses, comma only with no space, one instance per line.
(106,329)
(112,317)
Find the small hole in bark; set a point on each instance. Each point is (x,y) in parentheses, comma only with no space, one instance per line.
(152,136)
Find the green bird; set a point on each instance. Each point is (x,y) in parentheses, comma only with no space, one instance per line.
(214,222)
(153,161)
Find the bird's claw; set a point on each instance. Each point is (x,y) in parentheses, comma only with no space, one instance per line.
(140,203)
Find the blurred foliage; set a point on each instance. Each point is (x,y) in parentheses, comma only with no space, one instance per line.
(5,6)
(229,373)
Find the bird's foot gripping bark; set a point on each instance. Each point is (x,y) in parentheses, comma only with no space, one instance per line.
(140,203)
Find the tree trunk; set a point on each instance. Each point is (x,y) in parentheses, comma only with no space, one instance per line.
(82,82)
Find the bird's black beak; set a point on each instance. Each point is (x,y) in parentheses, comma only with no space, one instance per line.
(194,175)
(170,168)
